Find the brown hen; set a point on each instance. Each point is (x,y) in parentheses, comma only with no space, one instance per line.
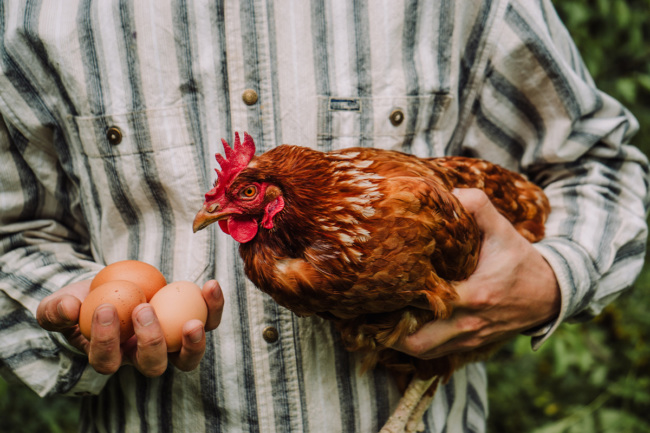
(370,239)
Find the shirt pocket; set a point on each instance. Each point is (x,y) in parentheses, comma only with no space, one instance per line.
(403,123)
(141,182)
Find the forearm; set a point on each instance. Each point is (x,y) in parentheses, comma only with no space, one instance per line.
(43,360)
(596,236)
(40,359)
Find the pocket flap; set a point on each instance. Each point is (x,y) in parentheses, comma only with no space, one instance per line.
(134,132)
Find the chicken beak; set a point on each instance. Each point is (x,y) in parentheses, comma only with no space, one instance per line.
(204,218)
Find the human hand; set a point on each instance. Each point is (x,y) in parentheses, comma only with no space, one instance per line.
(146,350)
(513,289)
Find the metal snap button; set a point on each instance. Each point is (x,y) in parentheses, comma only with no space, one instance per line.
(249,96)
(114,135)
(396,117)
(270,334)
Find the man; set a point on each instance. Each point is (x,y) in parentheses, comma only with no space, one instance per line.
(112,112)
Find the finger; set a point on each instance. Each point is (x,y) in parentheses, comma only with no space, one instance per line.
(61,314)
(193,347)
(58,312)
(479,205)
(104,353)
(472,199)
(215,301)
(150,357)
(426,342)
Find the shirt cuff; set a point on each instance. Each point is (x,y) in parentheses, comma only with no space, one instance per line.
(86,380)
(90,383)
(575,275)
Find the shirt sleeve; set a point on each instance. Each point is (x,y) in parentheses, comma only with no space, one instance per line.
(43,247)
(541,112)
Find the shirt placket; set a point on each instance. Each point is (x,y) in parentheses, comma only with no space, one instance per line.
(272,346)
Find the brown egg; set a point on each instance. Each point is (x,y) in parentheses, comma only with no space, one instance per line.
(124,295)
(175,304)
(146,276)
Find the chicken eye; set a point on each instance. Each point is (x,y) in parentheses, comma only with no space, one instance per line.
(248,192)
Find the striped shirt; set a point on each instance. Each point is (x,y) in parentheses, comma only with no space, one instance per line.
(493,79)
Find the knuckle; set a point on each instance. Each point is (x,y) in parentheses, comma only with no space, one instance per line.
(43,317)
(103,364)
(467,345)
(186,365)
(479,300)
(40,311)
(155,370)
(213,321)
(105,343)
(47,316)
(108,368)
(474,342)
(151,342)
(189,358)
(416,348)
(471,325)
(195,354)
(151,355)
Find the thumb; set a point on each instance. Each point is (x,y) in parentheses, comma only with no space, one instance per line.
(476,202)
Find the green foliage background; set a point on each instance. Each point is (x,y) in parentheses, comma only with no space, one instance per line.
(588,378)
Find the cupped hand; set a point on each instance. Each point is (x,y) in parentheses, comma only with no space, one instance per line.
(146,350)
(513,289)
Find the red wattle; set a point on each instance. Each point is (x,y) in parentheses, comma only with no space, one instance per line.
(224,226)
(242,230)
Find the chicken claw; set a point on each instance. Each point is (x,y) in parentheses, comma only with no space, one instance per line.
(407,417)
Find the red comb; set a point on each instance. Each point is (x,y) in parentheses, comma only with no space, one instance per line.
(236,159)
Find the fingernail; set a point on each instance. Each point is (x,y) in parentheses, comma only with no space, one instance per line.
(145,316)
(196,335)
(105,315)
(59,309)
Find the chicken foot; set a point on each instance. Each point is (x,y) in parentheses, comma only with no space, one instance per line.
(407,417)
(415,423)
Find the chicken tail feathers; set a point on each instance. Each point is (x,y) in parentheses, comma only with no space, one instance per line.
(522,202)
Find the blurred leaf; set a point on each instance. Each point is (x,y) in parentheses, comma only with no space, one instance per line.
(603,6)
(580,421)
(621,13)
(636,390)
(560,357)
(557,427)
(620,421)
(644,81)
(576,14)
(598,376)
(626,88)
